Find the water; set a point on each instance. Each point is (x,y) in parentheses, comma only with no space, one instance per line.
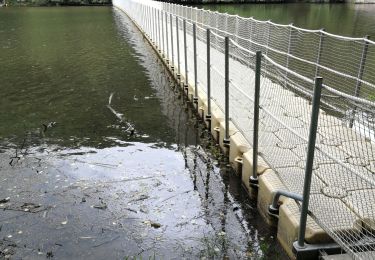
(100,157)
(343,19)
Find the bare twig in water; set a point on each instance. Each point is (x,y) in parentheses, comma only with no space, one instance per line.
(175,195)
(130,127)
(106,242)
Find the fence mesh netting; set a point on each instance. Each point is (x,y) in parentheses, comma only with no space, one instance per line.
(343,183)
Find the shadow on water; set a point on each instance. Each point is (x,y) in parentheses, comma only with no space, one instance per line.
(87,186)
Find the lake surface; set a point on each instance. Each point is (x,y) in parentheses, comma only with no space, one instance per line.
(343,19)
(100,157)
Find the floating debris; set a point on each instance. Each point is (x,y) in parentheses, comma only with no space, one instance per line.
(5,200)
(49,125)
(152,224)
(100,206)
(30,206)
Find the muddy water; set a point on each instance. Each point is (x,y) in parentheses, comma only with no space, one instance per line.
(99,157)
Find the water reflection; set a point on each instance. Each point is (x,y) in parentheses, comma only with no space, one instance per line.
(67,74)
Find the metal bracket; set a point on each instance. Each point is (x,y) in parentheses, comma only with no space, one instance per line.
(312,251)
(273,209)
(254,182)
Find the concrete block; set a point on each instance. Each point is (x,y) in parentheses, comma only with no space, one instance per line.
(247,168)
(216,118)
(191,93)
(238,146)
(288,226)
(232,130)
(269,183)
(202,104)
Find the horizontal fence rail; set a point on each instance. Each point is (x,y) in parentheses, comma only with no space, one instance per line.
(303,99)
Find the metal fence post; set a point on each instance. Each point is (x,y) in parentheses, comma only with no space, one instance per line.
(154,25)
(166,35)
(149,25)
(178,48)
(258,65)
(226,135)
(145,19)
(319,52)
(358,84)
(195,63)
(310,160)
(158,27)
(147,22)
(186,62)
(162,32)
(208,41)
(172,56)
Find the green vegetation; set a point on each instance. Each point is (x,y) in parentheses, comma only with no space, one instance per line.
(55,2)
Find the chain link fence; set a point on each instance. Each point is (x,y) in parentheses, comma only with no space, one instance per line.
(217,54)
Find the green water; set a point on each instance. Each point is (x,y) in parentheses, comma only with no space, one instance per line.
(61,65)
(344,19)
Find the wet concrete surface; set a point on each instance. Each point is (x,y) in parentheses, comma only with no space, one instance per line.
(103,191)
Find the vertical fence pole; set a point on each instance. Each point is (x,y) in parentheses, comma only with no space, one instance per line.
(154,25)
(195,63)
(186,62)
(310,160)
(226,135)
(145,20)
(289,49)
(208,42)
(358,84)
(258,65)
(172,56)
(158,27)
(178,48)
(162,32)
(149,21)
(319,52)
(166,35)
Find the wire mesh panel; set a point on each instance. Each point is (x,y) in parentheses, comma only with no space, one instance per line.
(201,34)
(218,69)
(190,52)
(241,85)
